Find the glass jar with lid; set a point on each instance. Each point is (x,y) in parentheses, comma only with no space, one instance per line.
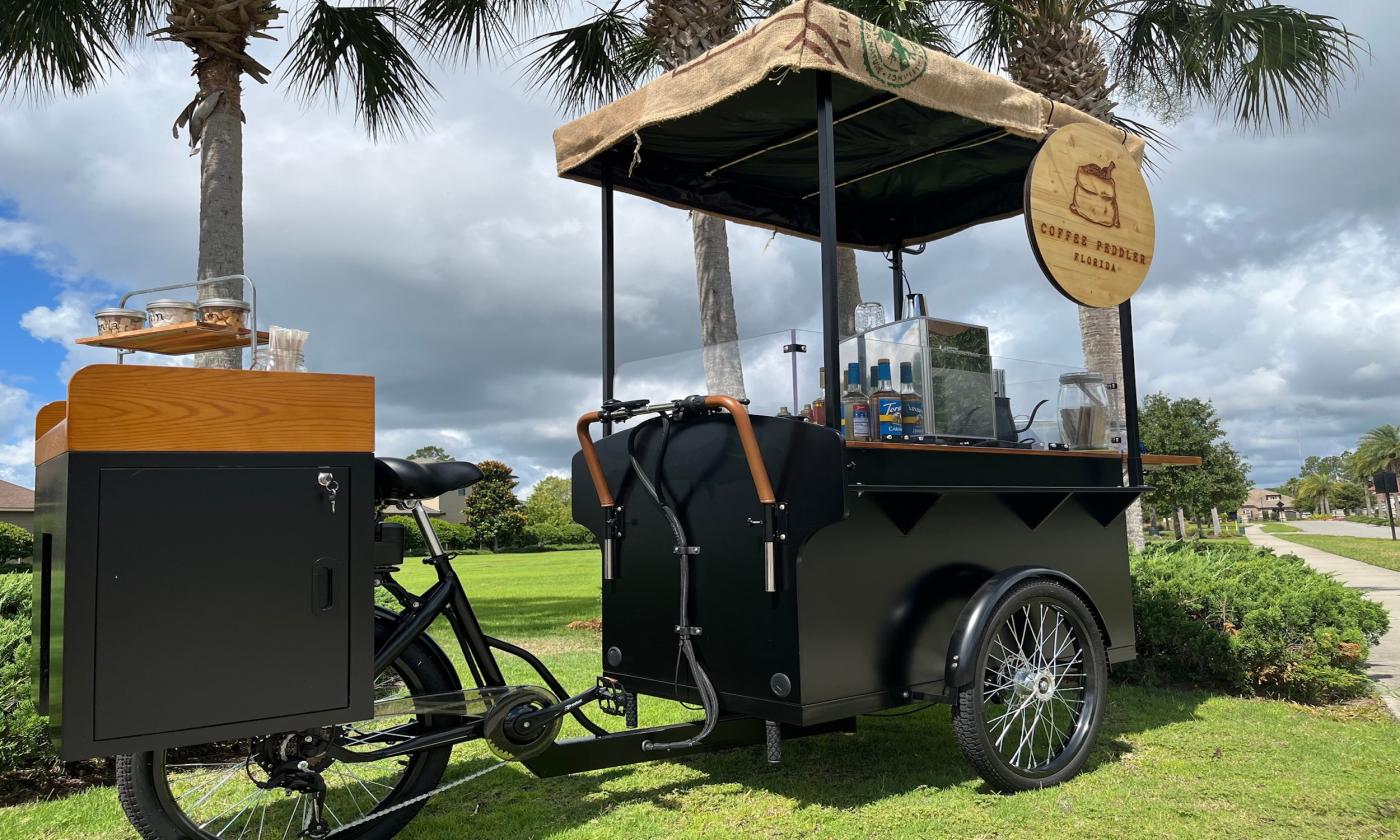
(1083,410)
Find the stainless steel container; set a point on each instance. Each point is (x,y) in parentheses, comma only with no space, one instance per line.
(165,312)
(115,321)
(224,312)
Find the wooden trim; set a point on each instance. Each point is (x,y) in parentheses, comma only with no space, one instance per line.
(51,444)
(48,417)
(1148,460)
(590,457)
(177,339)
(133,408)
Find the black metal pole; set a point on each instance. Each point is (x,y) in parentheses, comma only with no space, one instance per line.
(609,345)
(897,268)
(1130,401)
(826,182)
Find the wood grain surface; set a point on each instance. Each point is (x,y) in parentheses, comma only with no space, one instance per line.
(175,339)
(134,408)
(48,417)
(1089,216)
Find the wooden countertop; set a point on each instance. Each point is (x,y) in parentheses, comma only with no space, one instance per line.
(1151,460)
(136,408)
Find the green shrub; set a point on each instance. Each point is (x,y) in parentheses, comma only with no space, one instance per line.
(15,542)
(26,755)
(557,533)
(454,537)
(1243,618)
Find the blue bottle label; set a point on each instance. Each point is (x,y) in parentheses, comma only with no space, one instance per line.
(890,410)
(913,417)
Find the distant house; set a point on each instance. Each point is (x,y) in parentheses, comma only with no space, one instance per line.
(1264,504)
(17,505)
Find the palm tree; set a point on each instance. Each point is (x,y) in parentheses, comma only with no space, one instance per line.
(1379,450)
(363,53)
(1317,489)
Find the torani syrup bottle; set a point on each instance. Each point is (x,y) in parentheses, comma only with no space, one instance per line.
(885,404)
(911,404)
(855,407)
(819,404)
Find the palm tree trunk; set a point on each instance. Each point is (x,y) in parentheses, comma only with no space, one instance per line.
(719,326)
(221,192)
(847,291)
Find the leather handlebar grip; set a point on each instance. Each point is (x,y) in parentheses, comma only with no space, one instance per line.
(590,458)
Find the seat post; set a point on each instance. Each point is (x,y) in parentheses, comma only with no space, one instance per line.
(430,538)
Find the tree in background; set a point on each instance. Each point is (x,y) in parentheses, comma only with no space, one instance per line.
(1379,449)
(430,453)
(1317,489)
(549,509)
(363,53)
(492,509)
(1191,427)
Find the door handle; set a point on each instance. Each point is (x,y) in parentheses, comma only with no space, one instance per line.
(322,585)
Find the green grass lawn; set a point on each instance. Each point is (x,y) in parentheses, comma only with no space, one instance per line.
(1377,552)
(1170,763)
(1278,528)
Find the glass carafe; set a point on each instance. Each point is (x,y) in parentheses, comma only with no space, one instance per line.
(1083,410)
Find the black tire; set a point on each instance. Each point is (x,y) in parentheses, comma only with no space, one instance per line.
(1024,670)
(143,785)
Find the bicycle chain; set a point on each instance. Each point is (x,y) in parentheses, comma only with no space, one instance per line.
(374,815)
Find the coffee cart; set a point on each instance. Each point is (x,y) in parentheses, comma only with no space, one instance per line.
(782,576)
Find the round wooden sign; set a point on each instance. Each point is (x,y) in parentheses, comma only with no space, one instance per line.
(1089,216)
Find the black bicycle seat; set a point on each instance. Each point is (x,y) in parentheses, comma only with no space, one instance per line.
(398,479)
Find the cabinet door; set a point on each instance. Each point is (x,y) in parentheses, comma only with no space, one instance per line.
(221,597)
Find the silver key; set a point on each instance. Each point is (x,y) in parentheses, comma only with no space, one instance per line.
(327,480)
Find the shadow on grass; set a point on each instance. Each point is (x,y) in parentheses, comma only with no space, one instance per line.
(888,756)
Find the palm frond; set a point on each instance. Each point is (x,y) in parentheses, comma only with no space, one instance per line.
(56,46)
(1256,59)
(461,29)
(990,28)
(594,62)
(135,18)
(921,22)
(356,49)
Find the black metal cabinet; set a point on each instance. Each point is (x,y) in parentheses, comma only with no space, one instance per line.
(192,597)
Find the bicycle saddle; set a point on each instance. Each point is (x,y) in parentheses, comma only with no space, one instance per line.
(396,479)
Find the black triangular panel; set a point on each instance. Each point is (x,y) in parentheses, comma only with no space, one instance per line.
(1105,507)
(1033,508)
(905,509)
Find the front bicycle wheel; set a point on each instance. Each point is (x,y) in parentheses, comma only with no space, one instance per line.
(228,790)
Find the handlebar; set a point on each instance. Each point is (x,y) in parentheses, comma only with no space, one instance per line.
(736,409)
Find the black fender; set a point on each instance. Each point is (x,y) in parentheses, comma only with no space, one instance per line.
(384,622)
(972,621)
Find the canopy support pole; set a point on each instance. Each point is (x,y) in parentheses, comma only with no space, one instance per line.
(1130,402)
(609,348)
(897,269)
(826,180)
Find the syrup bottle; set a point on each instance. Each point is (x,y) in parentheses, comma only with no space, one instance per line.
(855,407)
(911,403)
(886,405)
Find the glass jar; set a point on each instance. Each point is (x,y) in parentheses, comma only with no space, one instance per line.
(869,315)
(286,361)
(1083,410)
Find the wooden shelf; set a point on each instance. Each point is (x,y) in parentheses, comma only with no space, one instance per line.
(175,339)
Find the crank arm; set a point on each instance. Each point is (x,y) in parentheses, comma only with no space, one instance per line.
(558,710)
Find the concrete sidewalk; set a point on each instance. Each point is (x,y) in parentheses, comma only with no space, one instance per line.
(1379,584)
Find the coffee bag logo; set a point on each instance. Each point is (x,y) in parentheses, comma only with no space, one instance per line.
(889,58)
(1095,196)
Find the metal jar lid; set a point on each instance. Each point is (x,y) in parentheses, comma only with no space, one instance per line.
(224,303)
(130,313)
(170,304)
(1082,377)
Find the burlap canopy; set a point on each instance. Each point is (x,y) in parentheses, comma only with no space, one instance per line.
(925,144)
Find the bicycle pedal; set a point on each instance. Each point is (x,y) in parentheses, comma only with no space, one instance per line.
(617,701)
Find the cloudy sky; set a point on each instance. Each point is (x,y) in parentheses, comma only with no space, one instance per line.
(461,272)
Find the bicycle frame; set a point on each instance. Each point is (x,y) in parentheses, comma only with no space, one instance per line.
(448,597)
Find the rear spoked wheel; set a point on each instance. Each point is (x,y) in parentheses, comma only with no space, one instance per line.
(1030,716)
(270,787)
